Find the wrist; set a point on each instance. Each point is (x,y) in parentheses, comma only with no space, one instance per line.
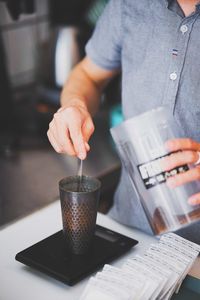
(74,101)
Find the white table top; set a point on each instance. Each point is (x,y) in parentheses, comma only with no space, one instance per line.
(20,282)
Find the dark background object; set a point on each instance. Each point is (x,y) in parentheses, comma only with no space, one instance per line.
(64,12)
(8,129)
(6,101)
(17,7)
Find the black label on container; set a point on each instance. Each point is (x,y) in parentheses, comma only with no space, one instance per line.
(152,174)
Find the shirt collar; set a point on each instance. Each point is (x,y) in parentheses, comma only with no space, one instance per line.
(168,2)
(198,6)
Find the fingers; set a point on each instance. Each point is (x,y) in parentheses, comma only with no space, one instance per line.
(188,156)
(182,144)
(80,132)
(61,136)
(87,146)
(66,148)
(88,129)
(77,139)
(194,199)
(178,159)
(53,142)
(182,178)
(70,130)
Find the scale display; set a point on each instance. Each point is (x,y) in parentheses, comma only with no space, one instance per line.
(50,256)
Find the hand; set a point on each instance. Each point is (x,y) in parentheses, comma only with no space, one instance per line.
(70,130)
(188,155)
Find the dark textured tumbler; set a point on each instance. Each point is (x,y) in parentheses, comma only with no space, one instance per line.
(79,202)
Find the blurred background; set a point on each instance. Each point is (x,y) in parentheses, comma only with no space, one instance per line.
(40,42)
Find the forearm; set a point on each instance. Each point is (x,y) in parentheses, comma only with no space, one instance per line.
(81,89)
(72,126)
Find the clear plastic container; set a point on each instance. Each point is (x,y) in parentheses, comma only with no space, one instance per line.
(140,142)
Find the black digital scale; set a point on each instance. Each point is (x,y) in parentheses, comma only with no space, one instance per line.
(50,256)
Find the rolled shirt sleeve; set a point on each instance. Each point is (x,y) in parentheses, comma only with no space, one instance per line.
(104,47)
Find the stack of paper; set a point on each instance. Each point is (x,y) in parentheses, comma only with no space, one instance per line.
(158,274)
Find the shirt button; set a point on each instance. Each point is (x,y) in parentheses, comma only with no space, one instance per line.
(184,28)
(173,76)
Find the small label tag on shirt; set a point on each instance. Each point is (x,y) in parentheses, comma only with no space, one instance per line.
(152,174)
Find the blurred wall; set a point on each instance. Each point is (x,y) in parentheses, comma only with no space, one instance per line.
(21,41)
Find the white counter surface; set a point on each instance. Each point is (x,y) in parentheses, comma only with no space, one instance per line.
(18,282)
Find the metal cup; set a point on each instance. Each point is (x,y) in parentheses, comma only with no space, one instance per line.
(79,202)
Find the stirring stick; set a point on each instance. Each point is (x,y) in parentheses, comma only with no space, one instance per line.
(80,173)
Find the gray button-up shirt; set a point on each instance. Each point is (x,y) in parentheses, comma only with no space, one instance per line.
(158,51)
